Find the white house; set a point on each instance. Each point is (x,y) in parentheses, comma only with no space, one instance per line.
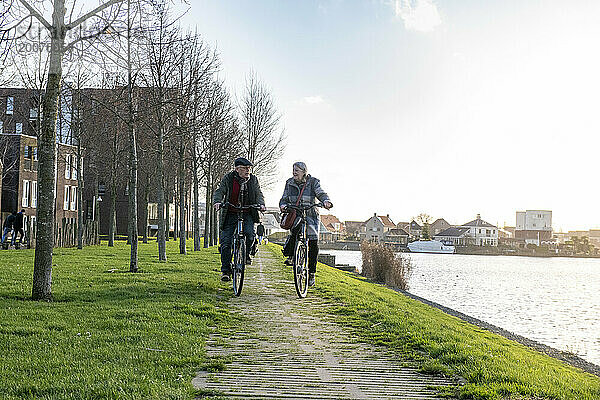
(376,228)
(477,232)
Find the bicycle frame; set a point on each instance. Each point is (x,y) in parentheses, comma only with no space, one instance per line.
(300,264)
(238,245)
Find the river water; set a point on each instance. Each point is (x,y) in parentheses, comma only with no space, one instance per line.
(555,301)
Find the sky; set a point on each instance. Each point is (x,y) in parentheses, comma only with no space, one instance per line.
(450,108)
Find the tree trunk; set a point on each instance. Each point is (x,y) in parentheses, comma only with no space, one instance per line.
(195,201)
(181,182)
(80,216)
(42,267)
(168,212)
(133,177)
(146,201)
(112,223)
(214,237)
(42,270)
(162,247)
(176,202)
(209,211)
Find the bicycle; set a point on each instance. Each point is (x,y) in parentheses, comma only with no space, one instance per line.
(238,247)
(300,261)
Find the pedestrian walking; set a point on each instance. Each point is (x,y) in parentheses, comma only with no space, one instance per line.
(8,226)
(18,227)
(260,232)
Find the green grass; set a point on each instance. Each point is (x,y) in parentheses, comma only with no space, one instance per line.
(109,335)
(493,367)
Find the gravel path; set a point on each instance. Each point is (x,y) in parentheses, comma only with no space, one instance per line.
(287,350)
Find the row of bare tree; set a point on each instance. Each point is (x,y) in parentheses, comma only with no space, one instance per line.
(144,94)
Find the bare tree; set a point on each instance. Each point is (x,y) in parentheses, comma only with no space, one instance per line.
(99,20)
(5,41)
(198,67)
(160,76)
(424,220)
(263,137)
(121,52)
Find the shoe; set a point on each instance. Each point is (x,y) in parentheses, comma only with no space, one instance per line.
(311,279)
(225,277)
(289,261)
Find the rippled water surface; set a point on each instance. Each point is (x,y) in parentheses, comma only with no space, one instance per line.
(555,301)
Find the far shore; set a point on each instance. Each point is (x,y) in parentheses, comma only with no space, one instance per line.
(478,251)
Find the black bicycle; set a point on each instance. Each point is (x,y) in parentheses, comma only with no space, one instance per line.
(300,261)
(238,247)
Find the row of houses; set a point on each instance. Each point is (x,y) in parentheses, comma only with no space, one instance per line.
(382,229)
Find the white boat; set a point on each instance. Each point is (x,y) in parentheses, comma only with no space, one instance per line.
(430,246)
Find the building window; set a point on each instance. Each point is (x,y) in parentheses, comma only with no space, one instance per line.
(10,103)
(152,211)
(68,167)
(67,198)
(34,194)
(35,154)
(25,197)
(27,152)
(19,128)
(33,113)
(73,198)
(74,167)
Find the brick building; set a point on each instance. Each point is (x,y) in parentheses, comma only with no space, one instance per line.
(19,124)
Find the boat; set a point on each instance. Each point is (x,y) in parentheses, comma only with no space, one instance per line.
(430,246)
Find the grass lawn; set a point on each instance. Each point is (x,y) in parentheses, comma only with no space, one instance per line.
(108,334)
(493,367)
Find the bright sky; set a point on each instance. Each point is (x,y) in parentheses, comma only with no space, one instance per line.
(451,108)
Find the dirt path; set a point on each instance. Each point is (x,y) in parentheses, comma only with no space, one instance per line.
(286,350)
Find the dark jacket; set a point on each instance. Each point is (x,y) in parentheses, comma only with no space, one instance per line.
(19,221)
(260,230)
(9,221)
(254,195)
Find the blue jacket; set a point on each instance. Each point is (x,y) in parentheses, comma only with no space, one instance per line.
(310,195)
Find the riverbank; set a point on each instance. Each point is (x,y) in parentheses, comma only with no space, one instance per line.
(491,366)
(565,356)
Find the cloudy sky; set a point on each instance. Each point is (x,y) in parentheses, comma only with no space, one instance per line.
(451,108)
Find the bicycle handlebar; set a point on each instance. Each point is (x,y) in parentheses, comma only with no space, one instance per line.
(305,208)
(241,208)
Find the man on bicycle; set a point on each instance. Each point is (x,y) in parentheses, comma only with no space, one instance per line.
(230,190)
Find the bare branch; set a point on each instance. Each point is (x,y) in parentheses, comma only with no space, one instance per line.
(90,14)
(36,14)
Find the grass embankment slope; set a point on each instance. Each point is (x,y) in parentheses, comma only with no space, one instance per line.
(493,367)
(108,335)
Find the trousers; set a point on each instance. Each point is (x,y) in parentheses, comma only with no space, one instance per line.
(226,239)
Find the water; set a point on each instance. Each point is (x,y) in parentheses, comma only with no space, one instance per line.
(555,301)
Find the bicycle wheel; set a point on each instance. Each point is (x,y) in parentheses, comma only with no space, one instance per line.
(239,265)
(301,269)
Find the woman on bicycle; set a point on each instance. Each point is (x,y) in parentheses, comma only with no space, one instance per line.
(312,191)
